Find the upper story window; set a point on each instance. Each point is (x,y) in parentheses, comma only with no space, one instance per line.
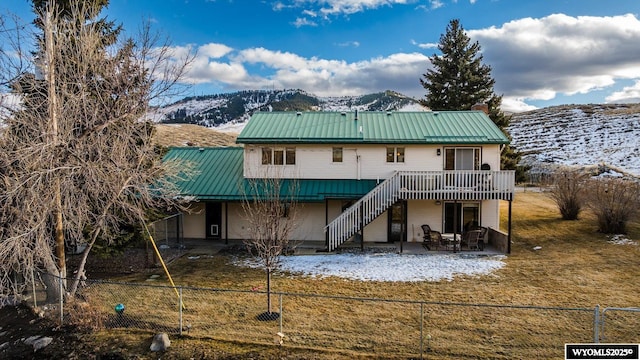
(278,156)
(267,156)
(290,158)
(395,154)
(337,154)
(462,158)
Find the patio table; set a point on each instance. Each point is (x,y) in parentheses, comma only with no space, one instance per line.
(453,241)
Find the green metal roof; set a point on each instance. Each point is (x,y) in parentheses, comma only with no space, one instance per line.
(217,171)
(421,127)
(218,177)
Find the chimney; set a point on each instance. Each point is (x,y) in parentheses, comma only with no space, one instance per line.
(482,107)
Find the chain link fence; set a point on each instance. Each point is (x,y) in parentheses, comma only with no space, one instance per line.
(168,231)
(398,328)
(620,325)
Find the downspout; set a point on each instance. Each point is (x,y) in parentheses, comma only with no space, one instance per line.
(326,223)
(358,166)
(226,223)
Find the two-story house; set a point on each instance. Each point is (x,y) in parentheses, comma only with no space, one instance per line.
(377,176)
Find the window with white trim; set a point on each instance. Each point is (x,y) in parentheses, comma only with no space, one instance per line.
(395,154)
(278,156)
(462,158)
(337,154)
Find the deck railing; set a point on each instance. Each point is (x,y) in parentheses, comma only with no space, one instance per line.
(457,185)
(422,185)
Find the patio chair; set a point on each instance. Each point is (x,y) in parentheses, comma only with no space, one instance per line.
(430,239)
(471,238)
(482,240)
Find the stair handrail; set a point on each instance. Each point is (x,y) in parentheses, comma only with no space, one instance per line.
(363,211)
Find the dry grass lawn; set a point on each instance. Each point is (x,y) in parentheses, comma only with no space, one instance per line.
(574,267)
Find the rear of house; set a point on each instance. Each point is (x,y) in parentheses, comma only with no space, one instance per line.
(369,176)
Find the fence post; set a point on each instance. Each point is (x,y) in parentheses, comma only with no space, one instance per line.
(596,324)
(421,330)
(61,288)
(280,314)
(180,309)
(33,288)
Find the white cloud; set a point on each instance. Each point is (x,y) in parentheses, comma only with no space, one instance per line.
(511,104)
(214,50)
(349,44)
(324,77)
(300,22)
(337,7)
(532,59)
(539,58)
(425,45)
(628,94)
(436,4)
(310,13)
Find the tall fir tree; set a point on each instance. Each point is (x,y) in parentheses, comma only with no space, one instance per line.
(460,80)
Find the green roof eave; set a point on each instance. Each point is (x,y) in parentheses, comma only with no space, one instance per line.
(217,176)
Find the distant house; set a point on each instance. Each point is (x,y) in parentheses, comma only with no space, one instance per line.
(368,176)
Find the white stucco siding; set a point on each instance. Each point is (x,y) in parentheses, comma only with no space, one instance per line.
(309,223)
(420,212)
(359,161)
(376,231)
(491,156)
(490,214)
(194,222)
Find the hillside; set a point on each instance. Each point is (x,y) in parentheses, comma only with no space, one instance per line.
(580,135)
(237,108)
(180,135)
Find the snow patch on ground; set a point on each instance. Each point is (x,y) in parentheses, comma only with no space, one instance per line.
(386,266)
(621,240)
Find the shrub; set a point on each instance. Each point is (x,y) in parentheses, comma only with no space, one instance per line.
(568,192)
(614,201)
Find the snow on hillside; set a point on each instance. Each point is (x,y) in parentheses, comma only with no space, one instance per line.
(228,112)
(580,135)
(326,104)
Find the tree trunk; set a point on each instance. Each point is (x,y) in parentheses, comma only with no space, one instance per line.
(53,119)
(52,279)
(268,290)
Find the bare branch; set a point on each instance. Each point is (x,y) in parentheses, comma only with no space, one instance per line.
(76,146)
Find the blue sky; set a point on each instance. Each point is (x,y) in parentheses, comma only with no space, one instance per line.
(542,52)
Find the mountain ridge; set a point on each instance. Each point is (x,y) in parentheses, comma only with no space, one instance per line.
(237,107)
(564,135)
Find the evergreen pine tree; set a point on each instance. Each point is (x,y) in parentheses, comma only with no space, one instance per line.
(460,80)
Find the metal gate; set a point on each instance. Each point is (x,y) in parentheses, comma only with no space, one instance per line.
(620,325)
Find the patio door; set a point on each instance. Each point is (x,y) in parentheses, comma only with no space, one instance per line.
(460,215)
(213,220)
(462,159)
(397,222)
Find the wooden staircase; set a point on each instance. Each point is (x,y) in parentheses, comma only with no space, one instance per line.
(363,212)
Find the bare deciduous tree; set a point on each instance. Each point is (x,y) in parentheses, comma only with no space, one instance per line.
(270,210)
(614,201)
(76,157)
(567,191)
